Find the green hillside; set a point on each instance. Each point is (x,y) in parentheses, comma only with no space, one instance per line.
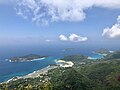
(102,74)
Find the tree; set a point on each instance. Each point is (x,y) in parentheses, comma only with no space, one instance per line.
(20,87)
(29,87)
(48,86)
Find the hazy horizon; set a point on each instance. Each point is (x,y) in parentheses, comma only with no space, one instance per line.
(32,25)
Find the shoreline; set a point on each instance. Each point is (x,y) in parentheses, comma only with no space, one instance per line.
(99,53)
(34,74)
(37,73)
(104,53)
(27,60)
(95,58)
(43,71)
(91,58)
(64,64)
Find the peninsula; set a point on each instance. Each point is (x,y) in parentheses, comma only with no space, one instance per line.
(102,51)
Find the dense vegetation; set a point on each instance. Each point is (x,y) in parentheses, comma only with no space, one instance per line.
(40,83)
(25,58)
(75,58)
(115,55)
(102,74)
(102,51)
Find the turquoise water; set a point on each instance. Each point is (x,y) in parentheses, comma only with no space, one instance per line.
(96,56)
(11,69)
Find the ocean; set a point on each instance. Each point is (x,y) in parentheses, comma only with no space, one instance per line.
(11,69)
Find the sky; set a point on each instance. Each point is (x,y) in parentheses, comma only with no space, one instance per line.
(60,23)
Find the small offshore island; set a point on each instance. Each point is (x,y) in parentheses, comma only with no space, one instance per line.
(30,57)
(69,49)
(73,72)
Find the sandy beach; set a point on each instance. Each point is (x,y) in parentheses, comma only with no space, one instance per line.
(33,74)
(39,72)
(43,71)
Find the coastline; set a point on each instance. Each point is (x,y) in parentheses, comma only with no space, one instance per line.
(39,72)
(27,60)
(91,58)
(64,64)
(102,54)
(34,74)
(39,59)
(98,53)
(43,71)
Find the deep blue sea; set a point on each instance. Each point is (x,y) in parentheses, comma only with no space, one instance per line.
(11,69)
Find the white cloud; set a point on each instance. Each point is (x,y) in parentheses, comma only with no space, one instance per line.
(113,4)
(118,19)
(49,40)
(45,11)
(114,31)
(63,37)
(73,38)
(21,14)
(77,38)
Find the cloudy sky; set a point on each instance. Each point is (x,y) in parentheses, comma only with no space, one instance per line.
(88,22)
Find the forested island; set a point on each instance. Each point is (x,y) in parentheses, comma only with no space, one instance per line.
(85,74)
(30,57)
(102,51)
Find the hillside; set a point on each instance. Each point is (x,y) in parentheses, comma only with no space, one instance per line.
(114,55)
(95,75)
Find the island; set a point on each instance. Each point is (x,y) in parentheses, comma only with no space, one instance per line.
(30,57)
(102,51)
(72,72)
(69,49)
